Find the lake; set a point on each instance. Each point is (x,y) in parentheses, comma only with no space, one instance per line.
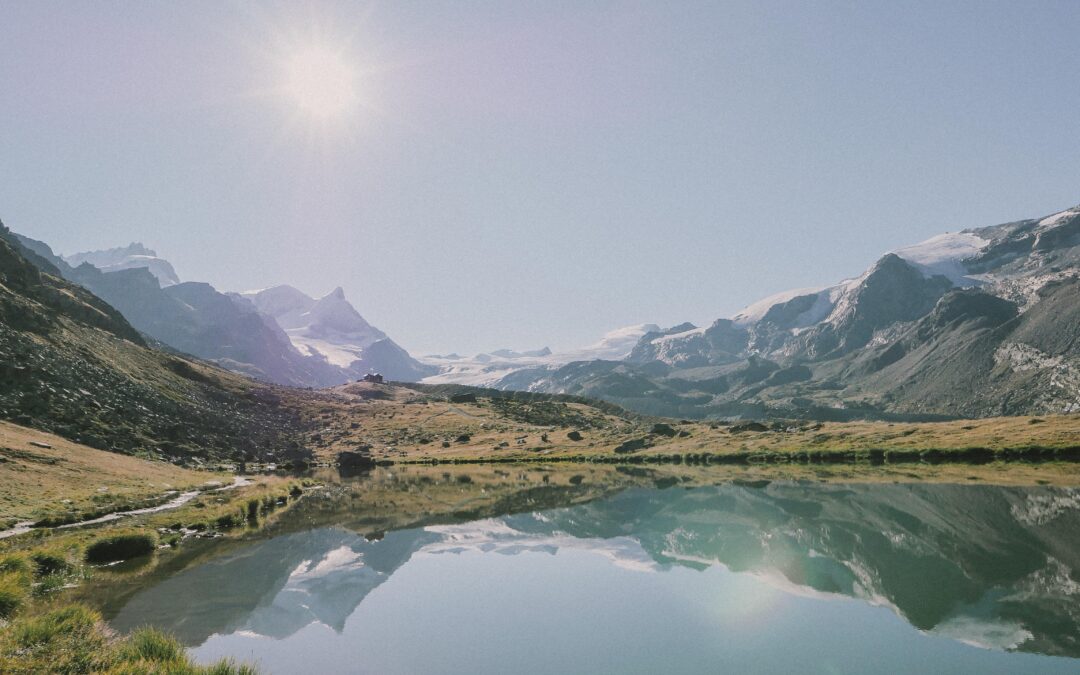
(632,570)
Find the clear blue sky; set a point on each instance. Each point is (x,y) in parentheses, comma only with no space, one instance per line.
(520,174)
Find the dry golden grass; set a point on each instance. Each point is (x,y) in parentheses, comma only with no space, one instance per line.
(401,425)
(40,481)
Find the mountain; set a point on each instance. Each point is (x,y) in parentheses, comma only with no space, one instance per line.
(127,257)
(73,365)
(506,366)
(195,319)
(279,335)
(975,323)
(330,330)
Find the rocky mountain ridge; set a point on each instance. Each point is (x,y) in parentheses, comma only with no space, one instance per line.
(975,323)
(307,343)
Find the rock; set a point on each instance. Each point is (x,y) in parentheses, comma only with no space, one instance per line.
(355,461)
(661,429)
(632,445)
(748,426)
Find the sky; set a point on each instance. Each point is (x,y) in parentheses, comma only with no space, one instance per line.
(484,175)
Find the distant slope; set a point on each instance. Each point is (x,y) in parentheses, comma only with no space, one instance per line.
(72,365)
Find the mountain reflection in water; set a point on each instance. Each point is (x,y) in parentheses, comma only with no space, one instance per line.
(992,567)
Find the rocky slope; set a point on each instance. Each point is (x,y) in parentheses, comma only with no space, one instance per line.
(280,335)
(72,365)
(975,323)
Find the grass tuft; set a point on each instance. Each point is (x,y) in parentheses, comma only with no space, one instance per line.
(75,640)
(151,644)
(120,547)
(47,563)
(14,590)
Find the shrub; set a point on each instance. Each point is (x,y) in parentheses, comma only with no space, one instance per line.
(296,491)
(253,510)
(229,520)
(50,562)
(120,547)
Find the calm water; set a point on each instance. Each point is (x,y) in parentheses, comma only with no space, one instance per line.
(634,573)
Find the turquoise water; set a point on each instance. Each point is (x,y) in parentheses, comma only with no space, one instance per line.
(762,578)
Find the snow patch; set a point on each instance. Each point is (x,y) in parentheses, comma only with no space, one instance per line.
(484,370)
(751,314)
(944,254)
(1051,221)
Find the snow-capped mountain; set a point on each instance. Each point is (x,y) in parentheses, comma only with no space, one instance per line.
(330,329)
(132,256)
(490,368)
(968,323)
(279,335)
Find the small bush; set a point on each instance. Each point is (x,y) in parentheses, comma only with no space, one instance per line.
(253,510)
(120,547)
(295,491)
(230,520)
(49,562)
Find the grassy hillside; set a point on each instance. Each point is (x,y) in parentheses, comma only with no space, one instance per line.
(71,365)
(56,477)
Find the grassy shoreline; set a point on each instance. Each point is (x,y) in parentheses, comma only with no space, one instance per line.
(41,630)
(399,425)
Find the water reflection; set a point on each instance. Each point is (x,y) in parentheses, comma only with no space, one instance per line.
(993,567)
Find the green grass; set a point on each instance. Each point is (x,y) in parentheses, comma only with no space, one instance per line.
(47,563)
(74,639)
(14,562)
(14,592)
(121,547)
(41,633)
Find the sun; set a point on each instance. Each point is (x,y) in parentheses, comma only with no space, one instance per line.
(321,82)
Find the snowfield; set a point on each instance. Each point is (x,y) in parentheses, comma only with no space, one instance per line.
(944,255)
(485,370)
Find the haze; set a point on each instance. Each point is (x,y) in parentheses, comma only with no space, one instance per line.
(482,175)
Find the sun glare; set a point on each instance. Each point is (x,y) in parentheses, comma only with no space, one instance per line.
(321,82)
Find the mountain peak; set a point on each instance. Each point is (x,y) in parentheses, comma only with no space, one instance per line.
(131,256)
(336,294)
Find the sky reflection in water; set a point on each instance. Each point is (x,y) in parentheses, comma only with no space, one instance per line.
(748,578)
